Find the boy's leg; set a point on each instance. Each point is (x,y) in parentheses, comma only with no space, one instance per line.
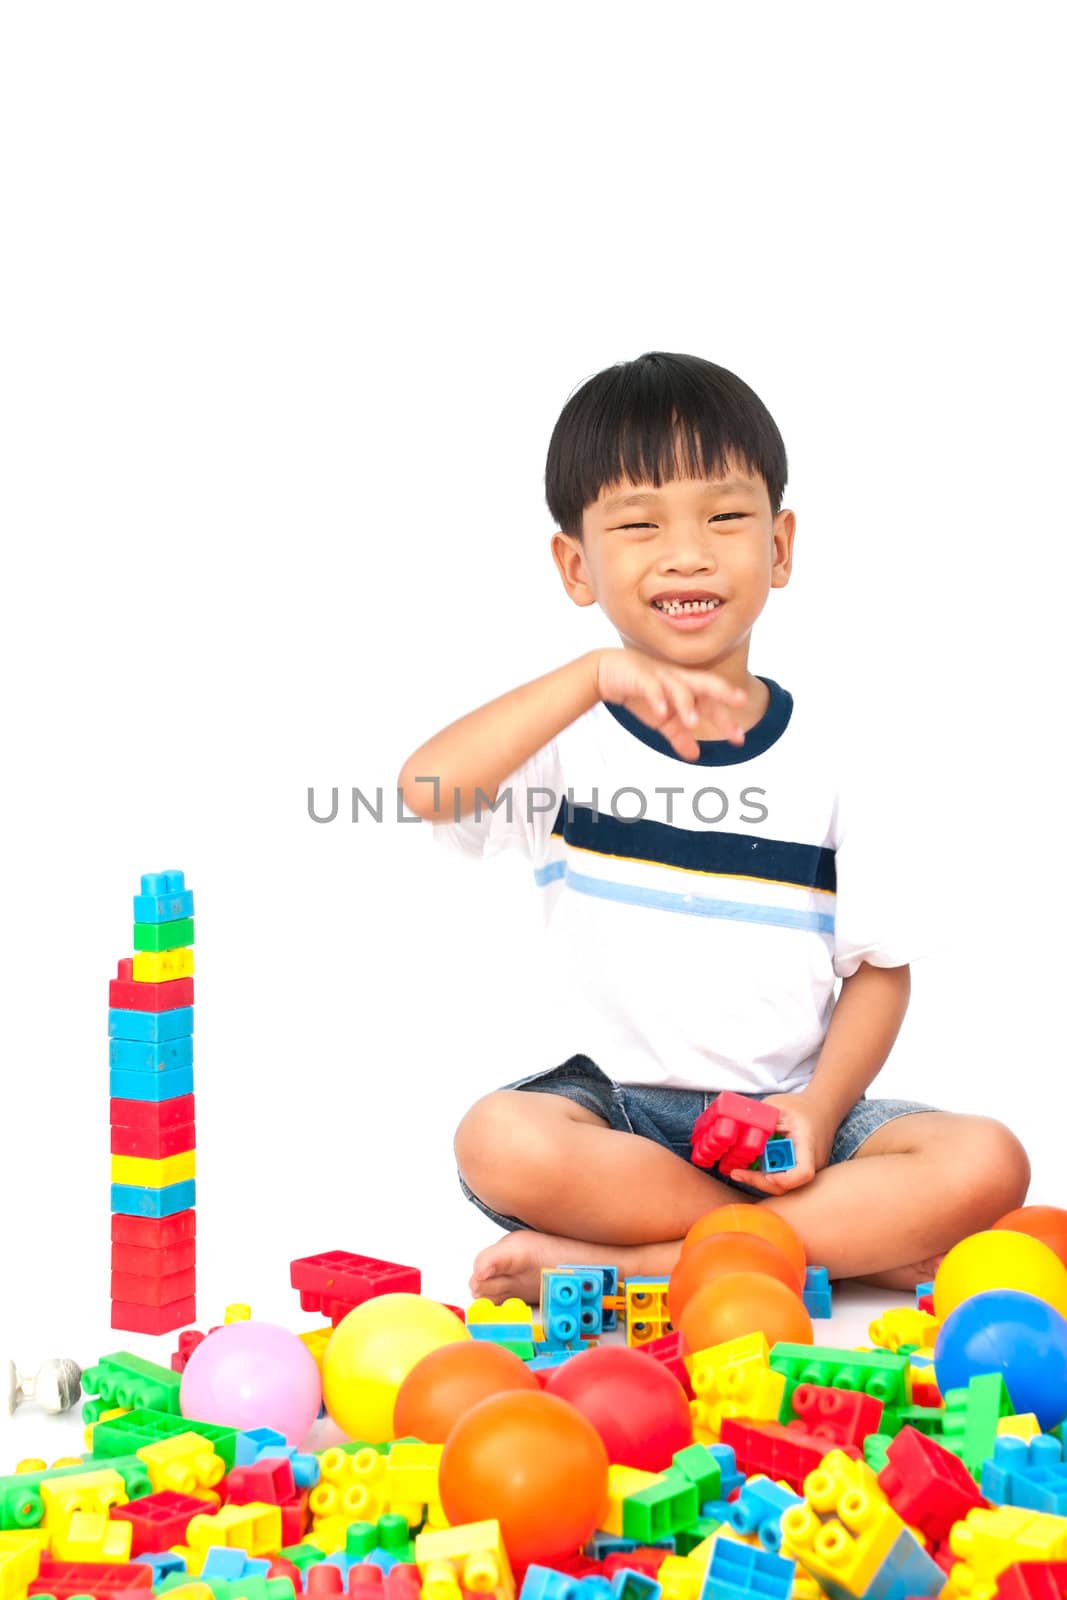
(917,1186)
(587,1192)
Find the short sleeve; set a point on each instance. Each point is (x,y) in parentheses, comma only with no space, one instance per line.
(521,817)
(879,904)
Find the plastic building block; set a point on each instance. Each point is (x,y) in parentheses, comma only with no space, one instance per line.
(571,1307)
(471,1557)
(661,1508)
(970,1418)
(91,1536)
(169,1084)
(787,1455)
(779,1155)
(697,1464)
(1033,1580)
(667,1350)
(733,1379)
(153,1233)
(148,1263)
(127,1380)
(66,1578)
(128,1316)
(482,1313)
(902,1325)
(335,1281)
(153,1144)
(162,966)
(758,1511)
(144,1173)
(186,1463)
(163,898)
(130,1431)
(20,1562)
(851,1541)
(125,993)
(1030,1474)
(134,1201)
(609,1279)
(732,1132)
(163,935)
(159,1520)
(143,1055)
(647,1316)
(270,1481)
(877,1373)
(1025,1426)
(93,1489)
(987,1541)
(818,1298)
(737,1572)
(152,1027)
(839,1415)
(926,1485)
(253,1527)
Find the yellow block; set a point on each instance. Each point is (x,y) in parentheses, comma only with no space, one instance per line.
(81,1492)
(254,1527)
(903,1325)
(411,1475)
(733,1379)
(846,1527)
(987,1541)
(623,1481)
(149,1174)
(32,1464)
(513,1310)
(92,1536)
(192,1591)
(1024,1426)
(238,1312)
(186,1464)
(471,1557)
(160,966)
(105,1416)
(20,1562)
(330,1534)
(350,1486)
(316,1340)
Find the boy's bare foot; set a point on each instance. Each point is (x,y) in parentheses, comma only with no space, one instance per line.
(512,1266)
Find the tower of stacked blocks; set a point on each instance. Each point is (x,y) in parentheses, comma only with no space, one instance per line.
(153,1128)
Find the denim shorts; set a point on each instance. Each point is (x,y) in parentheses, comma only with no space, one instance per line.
(667,1116)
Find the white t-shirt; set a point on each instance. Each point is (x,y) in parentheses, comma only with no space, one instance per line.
(700,912)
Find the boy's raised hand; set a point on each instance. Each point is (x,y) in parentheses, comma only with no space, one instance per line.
(812,1143)
(670,699)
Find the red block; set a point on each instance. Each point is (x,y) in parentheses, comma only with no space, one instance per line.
(667,1350)
(159,1520)
(788,1454)
(323,1580)
(926,1394)
(296,1518)
(733,1131)
(152,1319)
(126,995)
(402,1582)
(153,1116)
(927,1485)
(270,1481)
(841,1416)
(154,1233)
(281,1568)
(153,1291)
(1033,1580)
(647,1561)
(335,1281)
(153,1263)
(153,1146)
(96,1578)
(187,1343)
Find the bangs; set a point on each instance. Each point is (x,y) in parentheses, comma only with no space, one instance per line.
(653,420)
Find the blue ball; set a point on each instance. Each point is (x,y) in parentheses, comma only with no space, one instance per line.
(1016,1334)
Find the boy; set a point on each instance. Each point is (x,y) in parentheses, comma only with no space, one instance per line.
(709,872)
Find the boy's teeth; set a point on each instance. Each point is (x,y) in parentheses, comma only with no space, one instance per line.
(673,607)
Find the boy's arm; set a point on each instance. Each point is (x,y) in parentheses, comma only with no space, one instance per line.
(479,750)
(863,1026)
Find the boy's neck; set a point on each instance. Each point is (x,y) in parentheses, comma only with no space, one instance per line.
(755,708)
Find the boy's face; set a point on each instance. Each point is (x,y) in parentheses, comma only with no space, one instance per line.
(690,538)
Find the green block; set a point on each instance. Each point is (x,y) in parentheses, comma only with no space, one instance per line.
(127,1382)
(659,1511)
(699,1465)
(127,1434)
(876,1450)
(875,1372)
(929,1420)
(163,935)
(970,1419)
(389,1533)
(687,1539)
(523,1348)
(302,1555)
(21,1504)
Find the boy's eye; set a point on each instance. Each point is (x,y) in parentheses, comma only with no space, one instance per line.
(721,516)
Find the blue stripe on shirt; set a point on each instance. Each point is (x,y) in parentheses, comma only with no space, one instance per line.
(692,905)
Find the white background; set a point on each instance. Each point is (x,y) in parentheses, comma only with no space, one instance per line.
(294,295)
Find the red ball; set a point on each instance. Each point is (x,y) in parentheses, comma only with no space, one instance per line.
(445,1384)
(639,1409)
(533,1463)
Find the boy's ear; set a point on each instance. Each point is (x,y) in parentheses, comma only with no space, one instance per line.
(785,527)
(569,557)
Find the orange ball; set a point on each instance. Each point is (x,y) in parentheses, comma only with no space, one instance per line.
(738,1303)
(725,1252)
(1047,1223)
(445,1384)
(533,1463)
(752,1219)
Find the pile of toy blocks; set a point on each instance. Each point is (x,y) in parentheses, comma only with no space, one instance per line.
(153,1127)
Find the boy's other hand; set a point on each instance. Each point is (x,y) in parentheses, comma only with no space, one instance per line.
(812,1143)
(670,699)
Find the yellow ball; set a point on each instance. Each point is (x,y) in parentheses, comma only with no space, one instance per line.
(371,1352)
(999,1259)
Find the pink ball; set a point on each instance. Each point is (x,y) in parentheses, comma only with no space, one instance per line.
(253,1375)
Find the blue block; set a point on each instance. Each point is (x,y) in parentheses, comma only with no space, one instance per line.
(759,1509)
(1027,1473)
(729,1477)
(499,1332)
(138,1055)
(607,1279)
(163,898)
(906,1570)
(150,1026)
(572,1305)
(229,1563)
(548,1358)
(250,1445)
(740,1572)
(922,1290)
(163,1564)
(306,1472)
(778,1156)
(130,1200)
(155,1086)
(817,1297)
(544,1583)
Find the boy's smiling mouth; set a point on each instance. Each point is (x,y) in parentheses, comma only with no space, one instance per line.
(687,603)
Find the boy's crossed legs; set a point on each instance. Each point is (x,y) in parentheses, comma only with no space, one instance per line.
(591,1193)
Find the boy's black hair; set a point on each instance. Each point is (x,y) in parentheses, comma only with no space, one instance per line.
(633,420)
